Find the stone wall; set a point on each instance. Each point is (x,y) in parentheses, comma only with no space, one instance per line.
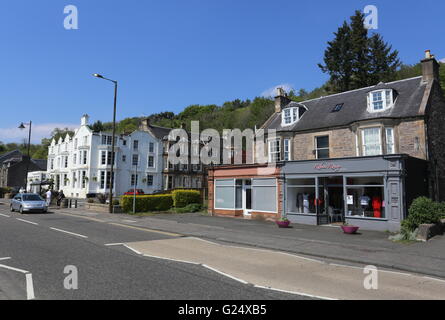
(341,142)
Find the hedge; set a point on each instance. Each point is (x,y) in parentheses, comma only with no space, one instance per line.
(182,198)
(146,203)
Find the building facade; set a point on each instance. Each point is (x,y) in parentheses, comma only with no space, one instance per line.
(13,167)
(81,165)
(360,156)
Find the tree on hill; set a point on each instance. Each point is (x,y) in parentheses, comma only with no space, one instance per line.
(355,60)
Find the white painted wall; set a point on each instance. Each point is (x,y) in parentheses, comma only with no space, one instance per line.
(71,151)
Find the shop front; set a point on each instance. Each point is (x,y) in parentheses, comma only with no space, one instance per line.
(248,191)
(370,192)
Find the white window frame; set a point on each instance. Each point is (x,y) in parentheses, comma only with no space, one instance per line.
(387,100)
(318,148)
(287,154)
(293,114)
(393,148)
(363,140)
(275,151)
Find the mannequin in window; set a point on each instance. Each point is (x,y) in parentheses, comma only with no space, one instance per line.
(377,206)
(306,202)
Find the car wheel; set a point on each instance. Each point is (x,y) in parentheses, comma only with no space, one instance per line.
(21,210)
(11,208)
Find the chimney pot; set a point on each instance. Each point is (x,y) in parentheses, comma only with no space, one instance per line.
(430,67)
(281,100)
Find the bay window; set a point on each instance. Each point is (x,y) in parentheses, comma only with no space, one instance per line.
(390,147)
(274,150)
(371,140)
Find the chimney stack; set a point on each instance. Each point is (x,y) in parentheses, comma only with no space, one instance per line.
(281,100)
(144,124)
(430,67)
(84,120)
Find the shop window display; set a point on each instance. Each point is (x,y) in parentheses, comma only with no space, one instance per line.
(301,197)
(365,197)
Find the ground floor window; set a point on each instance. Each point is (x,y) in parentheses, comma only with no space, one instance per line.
(246,194)
(365,197)
(301,196)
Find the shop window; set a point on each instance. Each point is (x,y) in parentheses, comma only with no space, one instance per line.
(225,194)
(264,195)
(365,197)
(301,196)
(322,147)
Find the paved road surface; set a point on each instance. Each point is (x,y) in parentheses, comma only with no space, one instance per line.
(128,262)
(43,245)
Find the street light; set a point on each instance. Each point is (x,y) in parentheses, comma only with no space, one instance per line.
(21,127)
(113,156)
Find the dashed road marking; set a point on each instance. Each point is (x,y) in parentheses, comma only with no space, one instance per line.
(68,232)
(26,221)
(5,258)
(5,215)
(147,230)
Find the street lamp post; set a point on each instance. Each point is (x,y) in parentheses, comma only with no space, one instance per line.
(22,126)
(113,141)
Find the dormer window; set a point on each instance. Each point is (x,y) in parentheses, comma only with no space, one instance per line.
(292,115)
(381,100)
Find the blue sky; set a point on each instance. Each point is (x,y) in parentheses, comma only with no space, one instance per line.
(169,54)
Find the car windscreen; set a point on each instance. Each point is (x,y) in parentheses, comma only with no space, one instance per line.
(32,197)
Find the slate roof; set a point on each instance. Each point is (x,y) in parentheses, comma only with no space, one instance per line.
(320,116)
(42,164)
(10,155)
(160,132)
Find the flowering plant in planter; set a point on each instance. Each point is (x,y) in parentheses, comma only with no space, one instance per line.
(283,222)
(348,229)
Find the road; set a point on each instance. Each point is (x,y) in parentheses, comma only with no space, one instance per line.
(42,245)
(118,260)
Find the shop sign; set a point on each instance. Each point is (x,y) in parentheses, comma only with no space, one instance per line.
(328,166)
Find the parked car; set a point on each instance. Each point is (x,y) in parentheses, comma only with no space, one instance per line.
(28,202)
(130,192)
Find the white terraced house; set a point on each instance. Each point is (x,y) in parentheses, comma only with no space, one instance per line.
(80,165)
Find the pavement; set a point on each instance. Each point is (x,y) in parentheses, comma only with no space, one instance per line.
(327,242)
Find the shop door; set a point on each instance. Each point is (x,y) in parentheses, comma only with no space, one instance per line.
(247,197)
(330,202)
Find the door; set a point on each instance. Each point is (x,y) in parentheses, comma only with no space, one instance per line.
(247,197)
(330,202)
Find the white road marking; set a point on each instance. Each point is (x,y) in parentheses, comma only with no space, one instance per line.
(435,279)
(169,259)
(113,244)
(4,215)
(29,287)
(129,221)
(13,269)
(29,283)
(225,274)
(135,251)
(295,292)
(36,224)
(5,258)
(68,232)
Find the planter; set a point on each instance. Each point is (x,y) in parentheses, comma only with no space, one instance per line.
(283,224)
(8,195)
(350,229)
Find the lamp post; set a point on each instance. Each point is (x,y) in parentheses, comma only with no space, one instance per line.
(113,141)
(22,126)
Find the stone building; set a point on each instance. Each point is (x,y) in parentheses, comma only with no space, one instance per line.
(360,156)
(13,166)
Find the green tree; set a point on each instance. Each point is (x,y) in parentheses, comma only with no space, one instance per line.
(354,60)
